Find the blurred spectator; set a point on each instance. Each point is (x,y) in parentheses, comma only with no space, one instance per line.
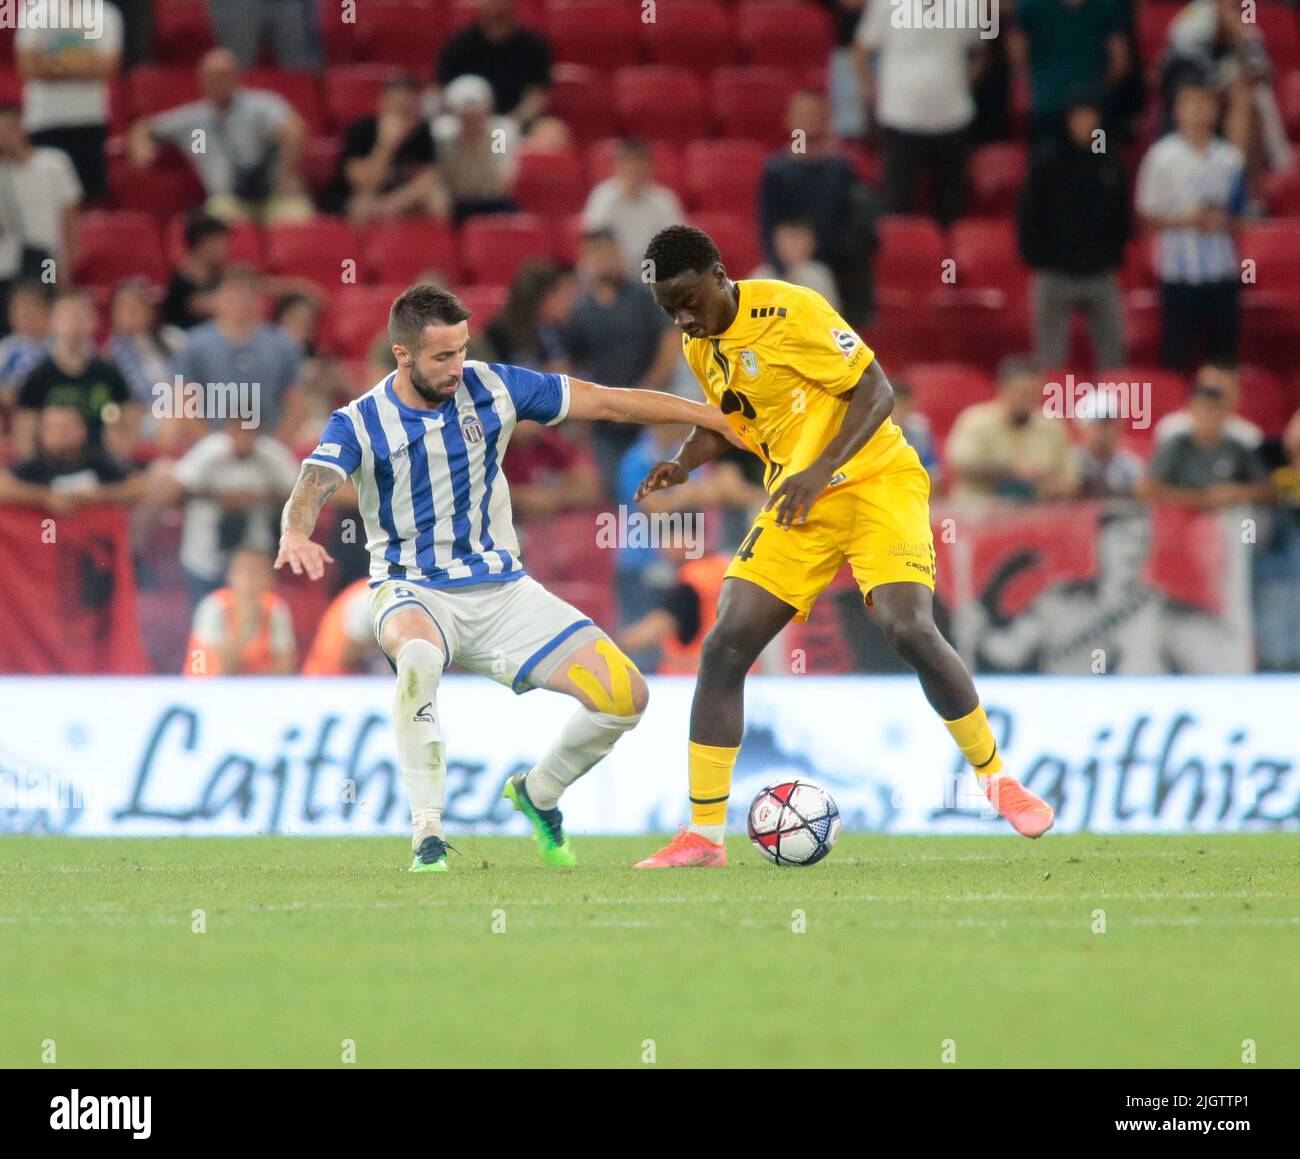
(631,204)
(793,246)
(843,83)
(25,344)
(617,336)
(1008,447)
(344,644)
(1222,378)
(67,470)
(1107,470)
(1191,191)
(297,317)
(916,429)
(1214,40)
(477,152)
(65,94)
(39,195)
(253,145)
(233,483)
(1074,222)
(813,181)
(530,329)
(549,474)
(1277,564)
(288,28)
(515,61)
(194,280)
(238,347)
(918,79)
(244,628)
(73,374)
(675,630)
(1069,48)
(1205,467)
(138,346)
(388,167)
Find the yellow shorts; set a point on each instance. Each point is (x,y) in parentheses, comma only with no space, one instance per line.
(881,525)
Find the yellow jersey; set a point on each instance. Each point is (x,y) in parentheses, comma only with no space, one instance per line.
(780,372)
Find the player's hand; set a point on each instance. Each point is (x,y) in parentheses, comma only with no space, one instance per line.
(302,555)
(797,492)
(662,475)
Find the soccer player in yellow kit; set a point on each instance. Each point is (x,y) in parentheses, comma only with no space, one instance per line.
(807,395)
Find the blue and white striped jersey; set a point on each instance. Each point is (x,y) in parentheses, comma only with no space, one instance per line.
(434,501)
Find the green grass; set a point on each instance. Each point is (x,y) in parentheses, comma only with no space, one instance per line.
(909,942)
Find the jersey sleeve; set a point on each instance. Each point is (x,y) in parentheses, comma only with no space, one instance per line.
(338,446)
(543,398)
(819,345)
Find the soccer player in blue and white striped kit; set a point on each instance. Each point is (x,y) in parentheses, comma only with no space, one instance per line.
(424,450)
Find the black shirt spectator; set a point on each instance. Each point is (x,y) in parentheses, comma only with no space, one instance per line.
(92,389)
(513,63)
(44,472)
(414,153)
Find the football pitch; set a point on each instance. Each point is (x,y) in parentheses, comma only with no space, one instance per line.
(1083,950)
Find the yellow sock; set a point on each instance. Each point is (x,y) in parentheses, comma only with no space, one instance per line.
(710,786)
(975,739)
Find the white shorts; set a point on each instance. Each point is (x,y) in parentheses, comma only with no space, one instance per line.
(517,633)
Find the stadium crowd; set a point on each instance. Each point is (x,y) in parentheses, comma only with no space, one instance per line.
(233,192)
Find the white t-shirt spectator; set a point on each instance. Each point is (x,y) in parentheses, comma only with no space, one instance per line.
(35,194)
(1175,178)
(54,104)
(633,220)
(922,77)
(210,467)
(241,139)
(211,625)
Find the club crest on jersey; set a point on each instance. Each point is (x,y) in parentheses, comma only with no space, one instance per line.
(749,362)
(846,340)
(471,428)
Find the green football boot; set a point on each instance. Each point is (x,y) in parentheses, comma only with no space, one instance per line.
(431,857)
(548,825)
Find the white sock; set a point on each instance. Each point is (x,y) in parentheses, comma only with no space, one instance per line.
(712,833)
(585,738)
(419,740)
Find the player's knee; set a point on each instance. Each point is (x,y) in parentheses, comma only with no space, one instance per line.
(911,634)
(419,666)
(725,654)
(640,692)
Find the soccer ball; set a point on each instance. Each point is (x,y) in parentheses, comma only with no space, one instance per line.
(794,823)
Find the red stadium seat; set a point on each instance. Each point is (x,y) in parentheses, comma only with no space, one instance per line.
(723,174)
(997,174)
(789,35)
(1270,329)
(168,186)
(320,164)
(400,251)
(1288,98)
(660,102)
(1153,21)
(1274,246)
(119,244)
(665,163)
(1142,325)
(357,314)
(736,237)
(182,32)
(529,13)
(151,88)
(1277,23)
(980,326)
(483,302)
(406,33)
(1138,270)
(300,89)
(986,257)
(750,101)
(245,241)
(1168,388)
(942,390)
(493,247)
(579,96)
(315,249)
(568,238)
(549,183)
(910,255)
(1264,400)
(571,535)
(689,33)
(594,32)
(902,329)
(352,91)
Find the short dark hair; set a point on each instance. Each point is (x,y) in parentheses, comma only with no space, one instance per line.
(200,226)
(417,307)
(680,249)
(1016,366)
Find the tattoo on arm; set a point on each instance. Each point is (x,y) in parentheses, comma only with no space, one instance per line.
(315,485)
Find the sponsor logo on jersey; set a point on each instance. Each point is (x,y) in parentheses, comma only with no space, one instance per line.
(749,361)
(920,549)
(846,340)
(328,450)
(425,713)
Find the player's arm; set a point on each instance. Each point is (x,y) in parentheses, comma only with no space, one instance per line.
(702,446)
(316,483)
(870,403)
(616,405)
